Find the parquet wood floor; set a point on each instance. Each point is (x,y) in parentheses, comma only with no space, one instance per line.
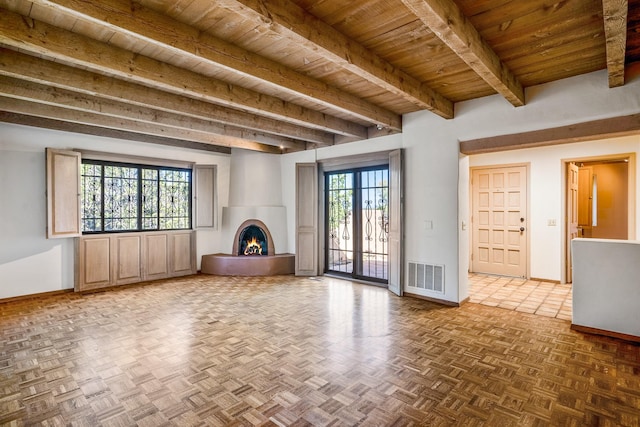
(231,351)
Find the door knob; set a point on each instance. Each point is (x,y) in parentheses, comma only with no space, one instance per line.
(521,229)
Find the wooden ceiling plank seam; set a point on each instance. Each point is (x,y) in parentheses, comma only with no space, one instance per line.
(20,106)
(26,67)
(567,52)
(548,46)
(292,22)
(447,21)
(581,63)
(540,28)
(43,39)
(34,92)
(161,31)
(615,29)
(518,16)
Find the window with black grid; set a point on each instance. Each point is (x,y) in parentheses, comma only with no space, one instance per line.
(118,197)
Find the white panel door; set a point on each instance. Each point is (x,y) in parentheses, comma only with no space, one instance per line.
(500,221)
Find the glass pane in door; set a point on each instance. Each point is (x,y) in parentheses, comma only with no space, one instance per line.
(339,222)
(375,223)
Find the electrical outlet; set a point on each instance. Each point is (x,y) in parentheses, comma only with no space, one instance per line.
(551,222)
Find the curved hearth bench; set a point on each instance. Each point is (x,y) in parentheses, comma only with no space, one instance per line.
(253,265)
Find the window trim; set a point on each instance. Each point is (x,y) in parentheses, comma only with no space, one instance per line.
(151,161)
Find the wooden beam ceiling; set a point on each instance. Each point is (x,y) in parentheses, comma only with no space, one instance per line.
(161,31)
(37,109)
(615,30)
(56,44)
(295,74)
(288,20)
(22,66)
(40,122)
(152,121)
(445,19)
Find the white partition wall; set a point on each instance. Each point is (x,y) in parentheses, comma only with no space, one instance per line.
(606,295)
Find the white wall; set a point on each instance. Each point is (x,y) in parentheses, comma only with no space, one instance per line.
(546,194)
(436,180)
(254,179)
(575,100)
(437,177)
(29,263)
(606,296)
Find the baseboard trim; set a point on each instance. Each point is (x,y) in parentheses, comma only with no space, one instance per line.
(557,282)
(611,334)
(435,300)
(35,296)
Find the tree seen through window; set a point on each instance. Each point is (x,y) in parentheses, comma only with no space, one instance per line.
(123,197)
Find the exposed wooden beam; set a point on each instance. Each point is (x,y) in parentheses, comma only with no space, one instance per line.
(22,119)
(587,131)
(291,21)
(23,66)
(448,22)
(159,30)
(227,135)
(615,31)
(57,44)
(19,106)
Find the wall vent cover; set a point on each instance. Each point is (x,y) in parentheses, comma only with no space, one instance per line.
(429,277)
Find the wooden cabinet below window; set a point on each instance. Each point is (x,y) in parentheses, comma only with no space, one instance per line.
(117,259)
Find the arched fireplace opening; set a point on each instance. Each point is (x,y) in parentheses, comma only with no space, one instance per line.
(253,238)
(252,241)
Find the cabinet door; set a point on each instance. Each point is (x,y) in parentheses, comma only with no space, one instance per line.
(156,258)
(128,259)
(63,193)
(94,263)
(182,256)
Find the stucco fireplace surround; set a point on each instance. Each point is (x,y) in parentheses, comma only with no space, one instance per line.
(253,254)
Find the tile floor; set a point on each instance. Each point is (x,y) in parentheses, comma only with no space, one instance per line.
(528,296)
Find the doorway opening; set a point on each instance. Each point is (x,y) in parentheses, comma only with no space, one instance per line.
(600,196)
(357,223)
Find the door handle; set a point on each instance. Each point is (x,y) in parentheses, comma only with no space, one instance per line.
(521,229)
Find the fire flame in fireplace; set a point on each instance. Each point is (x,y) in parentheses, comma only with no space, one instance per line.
(253,247)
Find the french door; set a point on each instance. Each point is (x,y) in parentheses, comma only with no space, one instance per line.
(357,223)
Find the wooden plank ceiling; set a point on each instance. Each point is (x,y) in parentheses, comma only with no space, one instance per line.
(287,75)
